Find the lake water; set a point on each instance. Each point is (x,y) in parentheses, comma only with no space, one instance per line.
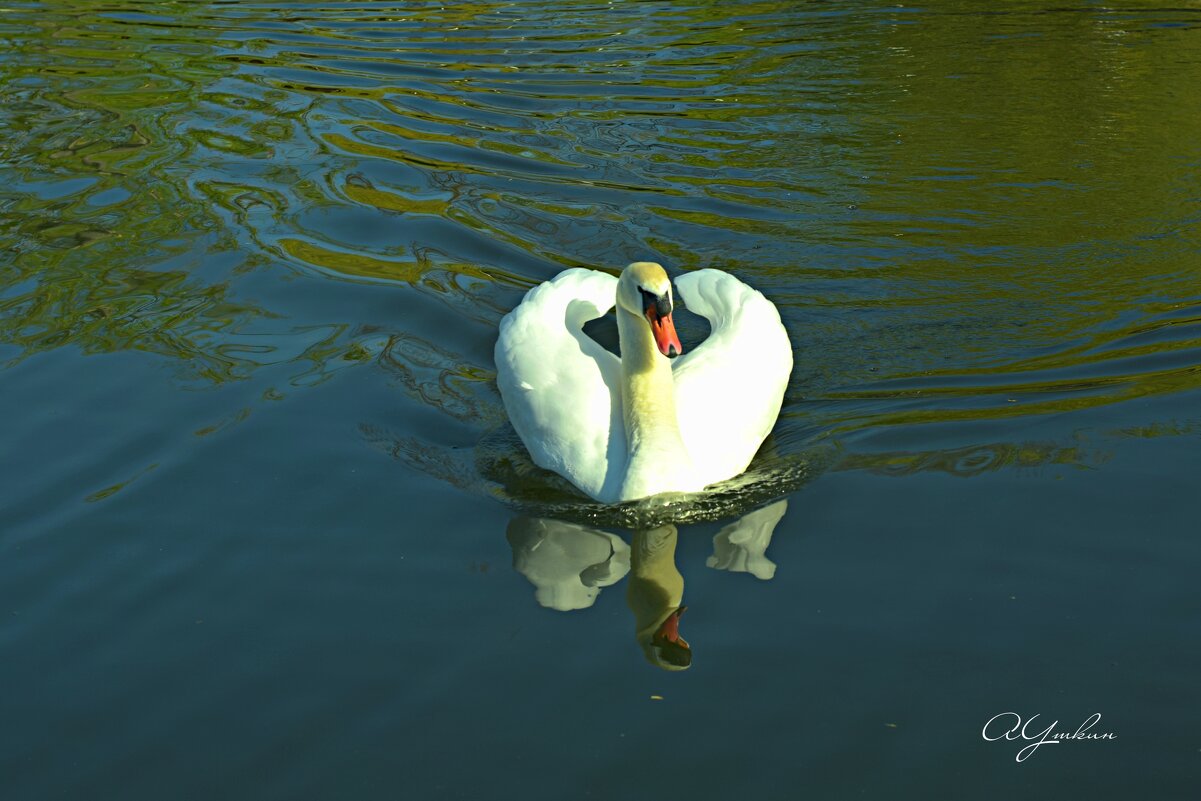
(265,533)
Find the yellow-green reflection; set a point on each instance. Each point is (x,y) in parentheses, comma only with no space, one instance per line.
(964,217)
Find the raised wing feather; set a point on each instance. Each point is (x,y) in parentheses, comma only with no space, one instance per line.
(729,389)
(562,390)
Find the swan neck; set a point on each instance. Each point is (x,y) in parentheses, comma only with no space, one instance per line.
(654,591)
(655,586)
(648,391)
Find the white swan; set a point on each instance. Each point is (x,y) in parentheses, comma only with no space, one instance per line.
(628,428)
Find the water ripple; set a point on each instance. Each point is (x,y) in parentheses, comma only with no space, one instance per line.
(242,189)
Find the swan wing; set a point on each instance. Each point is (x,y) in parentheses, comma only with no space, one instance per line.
(562,390)
(729,389)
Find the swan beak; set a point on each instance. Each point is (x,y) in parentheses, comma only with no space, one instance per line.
(670,647)
(664,330)
(669,630)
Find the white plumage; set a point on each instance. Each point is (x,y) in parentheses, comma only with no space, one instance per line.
(564,392)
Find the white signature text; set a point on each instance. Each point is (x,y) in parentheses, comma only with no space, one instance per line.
(1009,726)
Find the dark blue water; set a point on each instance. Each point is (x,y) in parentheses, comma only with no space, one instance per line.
(265,532)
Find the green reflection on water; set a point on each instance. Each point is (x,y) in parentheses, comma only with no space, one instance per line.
(963,216)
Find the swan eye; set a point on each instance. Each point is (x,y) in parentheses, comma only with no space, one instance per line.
(660,303)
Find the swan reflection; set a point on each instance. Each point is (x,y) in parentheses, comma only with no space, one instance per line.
(654,593)
(566,562)
(569,564)
(741,547)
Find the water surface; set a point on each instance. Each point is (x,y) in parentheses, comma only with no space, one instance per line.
(265,530)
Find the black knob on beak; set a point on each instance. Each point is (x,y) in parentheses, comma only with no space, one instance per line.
(660,303)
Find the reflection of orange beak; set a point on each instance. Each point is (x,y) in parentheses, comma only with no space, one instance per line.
(669,630)
(665,333)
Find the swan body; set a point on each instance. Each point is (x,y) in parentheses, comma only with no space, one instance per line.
(644,424)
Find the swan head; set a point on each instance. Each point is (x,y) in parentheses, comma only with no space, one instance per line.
(645,291)
(667,648)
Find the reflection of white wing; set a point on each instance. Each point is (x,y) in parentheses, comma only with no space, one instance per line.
(562,390)
(729,389)
(741,547)
(567,563)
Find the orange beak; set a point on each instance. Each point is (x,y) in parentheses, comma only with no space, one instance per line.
(670,629)
(664,331)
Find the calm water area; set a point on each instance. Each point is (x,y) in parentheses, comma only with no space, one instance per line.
(265,532)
